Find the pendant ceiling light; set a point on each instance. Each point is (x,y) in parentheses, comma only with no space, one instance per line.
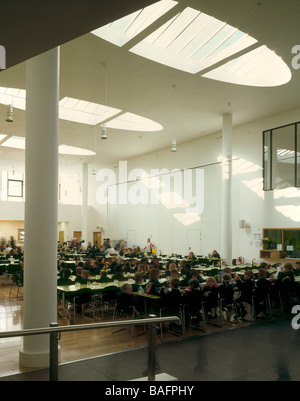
(9,114)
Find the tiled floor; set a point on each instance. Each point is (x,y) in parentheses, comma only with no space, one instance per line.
(258,352)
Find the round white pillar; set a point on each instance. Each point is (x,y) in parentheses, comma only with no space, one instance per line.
(227,189)
(85,202)
(41,204)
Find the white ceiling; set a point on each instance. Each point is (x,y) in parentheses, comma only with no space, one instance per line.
(135,84)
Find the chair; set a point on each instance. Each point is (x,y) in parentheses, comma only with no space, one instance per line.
(3,272)
(17,279)
(122,311)
(225,308)
(193,314)
(81,298)
(178,311)
(107,298)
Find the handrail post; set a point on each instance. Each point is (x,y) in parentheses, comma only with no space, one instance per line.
(151,351)
(53,368)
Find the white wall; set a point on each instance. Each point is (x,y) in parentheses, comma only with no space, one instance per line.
(249,202)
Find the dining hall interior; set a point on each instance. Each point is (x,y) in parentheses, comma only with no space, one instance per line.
(176,121)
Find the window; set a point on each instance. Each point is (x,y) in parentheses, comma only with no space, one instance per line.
(281,157)
(15,188)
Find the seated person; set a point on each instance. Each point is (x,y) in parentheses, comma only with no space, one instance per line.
(226,291)
(261,290)
(62,265)
(193,298)
(133,265)
(126,268)
(113,265)
(154,276)
(95,269)
(191,256)
(233,275)
(210,295)
(156,263)
(285,284)
(139,281)
(266,266)
(173,274)
(118,273)
(186,275)
(246,288)
(142,270)
(84,278)
(287,271)
(65,277)
(125,300)
(78,272)
(170,298)
(103,277)
(297,269)
(169,268)
(215,254)
(195,275)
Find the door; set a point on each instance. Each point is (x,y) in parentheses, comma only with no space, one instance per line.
(194,241)
(77,236)
(131,238)
(61,237)
(97,238)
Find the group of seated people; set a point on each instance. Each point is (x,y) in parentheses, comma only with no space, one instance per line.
(234,292)
(228,287)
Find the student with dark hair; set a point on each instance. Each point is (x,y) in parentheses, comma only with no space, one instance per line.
(246,288)
(261,291)
(192,300)
(125,300)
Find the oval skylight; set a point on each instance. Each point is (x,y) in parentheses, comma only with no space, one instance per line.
(84,112)
(73,150)
(260,67)
(133,122)
(193,41)
(17,142)
(119,32)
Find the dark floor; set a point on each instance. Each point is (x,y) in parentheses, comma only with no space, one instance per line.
(258,352)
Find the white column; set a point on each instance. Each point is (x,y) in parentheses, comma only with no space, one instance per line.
(41,204)
(84,201)
(226,225)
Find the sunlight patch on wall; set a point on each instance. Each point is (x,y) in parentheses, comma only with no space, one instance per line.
(187,219)
(290,211)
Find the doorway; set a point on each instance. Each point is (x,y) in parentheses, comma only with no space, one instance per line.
(77,236)
(97,236)
(61,237)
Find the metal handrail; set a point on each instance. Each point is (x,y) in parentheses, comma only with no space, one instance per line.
(54,329)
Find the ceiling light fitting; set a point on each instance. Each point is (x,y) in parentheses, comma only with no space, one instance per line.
(173,149)
(9,114)
(103,132)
